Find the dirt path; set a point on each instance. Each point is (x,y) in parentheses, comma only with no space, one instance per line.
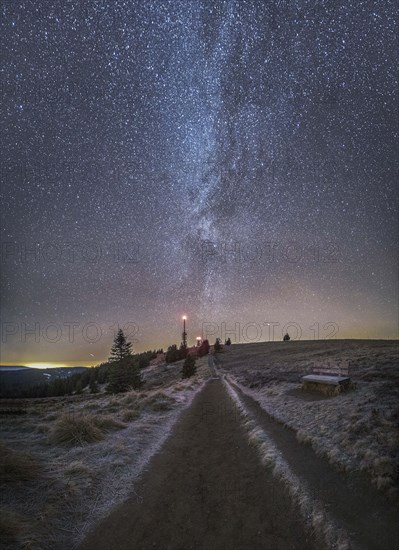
(205,490)
(371,520)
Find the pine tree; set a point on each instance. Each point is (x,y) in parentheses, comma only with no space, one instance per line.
(183,351)
(124,373)
(172,354)
(189,368)
(93,386)
(121,348)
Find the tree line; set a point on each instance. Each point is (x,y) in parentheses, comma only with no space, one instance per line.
(120,373)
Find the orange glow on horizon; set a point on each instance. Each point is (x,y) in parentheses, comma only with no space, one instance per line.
(47,365)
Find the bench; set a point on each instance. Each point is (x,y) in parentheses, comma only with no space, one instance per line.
(328,378)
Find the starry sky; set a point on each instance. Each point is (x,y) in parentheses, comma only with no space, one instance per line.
(231,160)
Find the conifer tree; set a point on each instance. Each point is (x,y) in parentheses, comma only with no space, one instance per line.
(189,368)
(124,372)
(121,348)
(217,346)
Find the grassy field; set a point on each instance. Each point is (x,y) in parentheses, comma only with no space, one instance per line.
(66,462)
(357,430)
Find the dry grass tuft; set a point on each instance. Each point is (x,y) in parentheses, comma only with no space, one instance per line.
(254,437)
(85,428)
(76,430)
(79,478)
(158,401)
(114,402)
(162,405)
(16,465)
(130,415)
(303,437)
(130,398)
(108,423)
(77,468)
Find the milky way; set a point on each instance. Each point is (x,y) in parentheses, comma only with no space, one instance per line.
(234,161)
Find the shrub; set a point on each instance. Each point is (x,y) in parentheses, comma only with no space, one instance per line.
(189,368)
(203,349)
(217,346)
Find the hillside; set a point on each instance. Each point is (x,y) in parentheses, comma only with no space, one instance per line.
(65,462)
(12,368)
(356,431)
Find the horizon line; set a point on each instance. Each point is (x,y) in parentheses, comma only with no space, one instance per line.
(85,364)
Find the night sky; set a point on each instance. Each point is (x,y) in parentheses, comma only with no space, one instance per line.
(234,161)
